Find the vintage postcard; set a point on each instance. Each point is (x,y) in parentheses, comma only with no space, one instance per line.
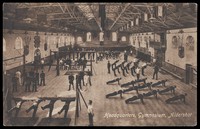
(99,64)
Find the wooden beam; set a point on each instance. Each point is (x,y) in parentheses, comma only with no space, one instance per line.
(61,8)
(123,10)
(175,21)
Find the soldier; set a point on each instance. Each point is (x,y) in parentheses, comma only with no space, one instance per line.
(34,107)
(90,113)
(81,75)
(71,81)
(180,97)
(34,85)
(65,107)
(78,81)
(171,88)
(118,79)
(50,106)
(156,69)
(42,78)
(37,76)
(27,84)
(108,66)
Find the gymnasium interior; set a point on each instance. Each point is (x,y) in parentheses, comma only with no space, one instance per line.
(99,64)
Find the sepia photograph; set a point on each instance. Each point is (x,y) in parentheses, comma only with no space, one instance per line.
(99,64)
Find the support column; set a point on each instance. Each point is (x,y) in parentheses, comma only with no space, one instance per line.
(57,66)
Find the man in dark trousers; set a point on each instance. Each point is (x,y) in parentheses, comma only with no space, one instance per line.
(71,81)
(42,78)
(65,107)
(156,69)
(34,85)
(27,84)
(108,66)
(37,76)
(132,70)
(34,107)
(90,113)
(81,75)
(78,81)
(50,106)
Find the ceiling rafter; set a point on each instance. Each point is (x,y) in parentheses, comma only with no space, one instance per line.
(126,6)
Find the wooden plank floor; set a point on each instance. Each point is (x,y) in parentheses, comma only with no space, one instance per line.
(57,85)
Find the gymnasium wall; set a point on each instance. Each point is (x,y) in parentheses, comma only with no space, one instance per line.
(144,39)
(11,51)
(188,40)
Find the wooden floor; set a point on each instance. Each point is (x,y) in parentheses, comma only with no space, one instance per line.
(58,85)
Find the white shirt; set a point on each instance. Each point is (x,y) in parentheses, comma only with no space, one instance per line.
(18,74)
(134,60)
(42,61)
(145,64)
(18,104)
(61,61)
(90,109)
(137,71)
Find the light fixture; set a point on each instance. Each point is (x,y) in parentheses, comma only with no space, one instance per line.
(151,19)
(152,14)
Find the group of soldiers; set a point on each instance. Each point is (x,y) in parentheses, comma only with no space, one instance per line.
(31,78)
(82,78)
(133,66)
(34,79)
(149,85)
(135,69)
(37,101)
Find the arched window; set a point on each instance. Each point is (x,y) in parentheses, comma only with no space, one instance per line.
(114,36)
(101,36)
(4,45)
(37,56)
(190,43)
(59,41)
(46,44)
(79,39)
(88,39)
(62,41)
(72,40)
(123,38)
(68,39)
(174,42)
(18,43)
